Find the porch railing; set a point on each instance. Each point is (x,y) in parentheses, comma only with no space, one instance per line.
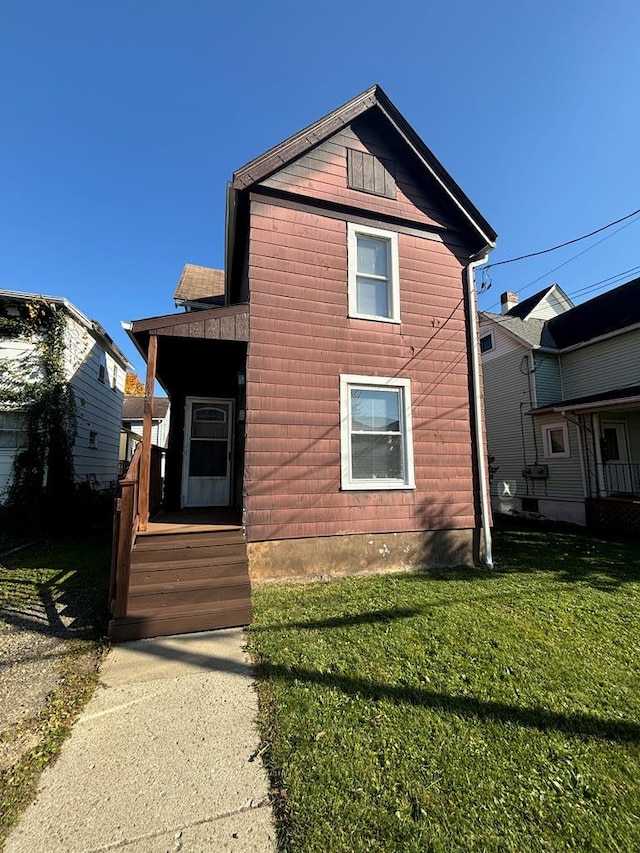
(126,518)
(619,478)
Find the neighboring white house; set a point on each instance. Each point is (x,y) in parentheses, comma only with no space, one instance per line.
(132,417)
(562,403)
(95,369)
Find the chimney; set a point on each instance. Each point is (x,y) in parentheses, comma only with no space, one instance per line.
(508,300)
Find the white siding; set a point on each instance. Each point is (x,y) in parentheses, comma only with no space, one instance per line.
(565,474)
(507,397)
(99,407)
(22,359)
(602,366)
(548,307)
(159,430)
(514,439)
(503,342)
(547,379)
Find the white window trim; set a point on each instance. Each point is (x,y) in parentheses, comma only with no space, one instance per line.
(492,342)
(348,381)
(353,231)
(546,441)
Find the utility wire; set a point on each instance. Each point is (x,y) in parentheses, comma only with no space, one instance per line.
(572,258)
(562,245)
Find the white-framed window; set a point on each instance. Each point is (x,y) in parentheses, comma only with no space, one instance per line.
(374,276)
(486,342)
(102,367)
(555,439)
(13,433)
(376,439)
(93,439)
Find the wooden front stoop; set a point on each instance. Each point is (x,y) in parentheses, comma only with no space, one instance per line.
(184,580)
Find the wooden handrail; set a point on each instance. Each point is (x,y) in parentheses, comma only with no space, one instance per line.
(125,527)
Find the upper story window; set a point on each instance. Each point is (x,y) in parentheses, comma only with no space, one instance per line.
(486,342)
(374,277)
(376,436)
(102,367)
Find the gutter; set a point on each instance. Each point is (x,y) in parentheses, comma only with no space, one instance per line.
(478,408)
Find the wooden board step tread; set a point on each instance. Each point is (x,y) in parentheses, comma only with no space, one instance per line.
(176,621)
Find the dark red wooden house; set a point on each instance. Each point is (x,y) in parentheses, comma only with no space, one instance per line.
(324,388)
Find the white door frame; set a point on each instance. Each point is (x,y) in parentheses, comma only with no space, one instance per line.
(622,437)
(188,411)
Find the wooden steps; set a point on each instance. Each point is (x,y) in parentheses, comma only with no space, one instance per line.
(185,581)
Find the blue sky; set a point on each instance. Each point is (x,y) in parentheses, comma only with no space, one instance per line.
(123,121)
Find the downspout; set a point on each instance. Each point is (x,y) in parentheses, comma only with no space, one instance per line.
(477,406)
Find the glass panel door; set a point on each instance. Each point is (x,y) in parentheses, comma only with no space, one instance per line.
(207,453)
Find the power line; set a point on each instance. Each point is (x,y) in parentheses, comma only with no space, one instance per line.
(595,285)
(562,245)
(572,258)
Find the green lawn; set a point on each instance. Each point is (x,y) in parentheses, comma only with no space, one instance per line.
(459,710)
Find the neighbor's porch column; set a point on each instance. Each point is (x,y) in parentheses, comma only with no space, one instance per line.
(145,459)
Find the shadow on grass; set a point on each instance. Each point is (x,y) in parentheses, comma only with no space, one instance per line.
(572,554)
(58,589)
(370,618)
(466,707)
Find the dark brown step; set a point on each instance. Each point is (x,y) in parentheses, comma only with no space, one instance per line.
(156,597)
(180,621)
(182,556)
(188,540)
(170,573)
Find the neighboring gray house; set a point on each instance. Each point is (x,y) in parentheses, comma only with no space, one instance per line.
(562,403)
(95,369)
(132,418)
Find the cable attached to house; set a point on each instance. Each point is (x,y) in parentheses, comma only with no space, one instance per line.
(567,243)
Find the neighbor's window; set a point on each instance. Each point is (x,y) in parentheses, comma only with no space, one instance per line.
(102,367)
(486,343)
(93,439)
(556,440)
(12,430)
(376,436)
(374,287)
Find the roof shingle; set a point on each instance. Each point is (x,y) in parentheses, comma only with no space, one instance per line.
(199,283)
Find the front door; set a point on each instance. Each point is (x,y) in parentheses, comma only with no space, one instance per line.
(615,458)
(206,471)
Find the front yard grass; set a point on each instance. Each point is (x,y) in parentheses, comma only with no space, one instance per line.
(458,710)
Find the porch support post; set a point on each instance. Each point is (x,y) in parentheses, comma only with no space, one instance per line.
(145,458)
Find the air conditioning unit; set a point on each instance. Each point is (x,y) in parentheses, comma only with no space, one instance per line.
(536,472)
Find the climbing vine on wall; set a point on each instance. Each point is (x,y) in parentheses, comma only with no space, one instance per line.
(36,387)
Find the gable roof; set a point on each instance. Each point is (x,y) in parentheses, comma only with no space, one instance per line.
(198,283)
(523,309)
(610,312)
(371,99)
(531,331)
(133,408)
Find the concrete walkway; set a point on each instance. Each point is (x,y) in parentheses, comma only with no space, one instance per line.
(161,760)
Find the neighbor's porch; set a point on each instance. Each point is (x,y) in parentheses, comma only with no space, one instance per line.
(610,439)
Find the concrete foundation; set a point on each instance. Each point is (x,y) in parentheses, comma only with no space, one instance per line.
(338,556)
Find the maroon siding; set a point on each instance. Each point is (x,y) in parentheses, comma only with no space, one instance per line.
(302,340)
(322,174)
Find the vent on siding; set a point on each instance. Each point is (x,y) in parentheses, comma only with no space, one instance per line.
(370,174)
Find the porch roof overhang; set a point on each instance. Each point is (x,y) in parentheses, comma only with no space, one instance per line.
(228,323)
(616,399)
